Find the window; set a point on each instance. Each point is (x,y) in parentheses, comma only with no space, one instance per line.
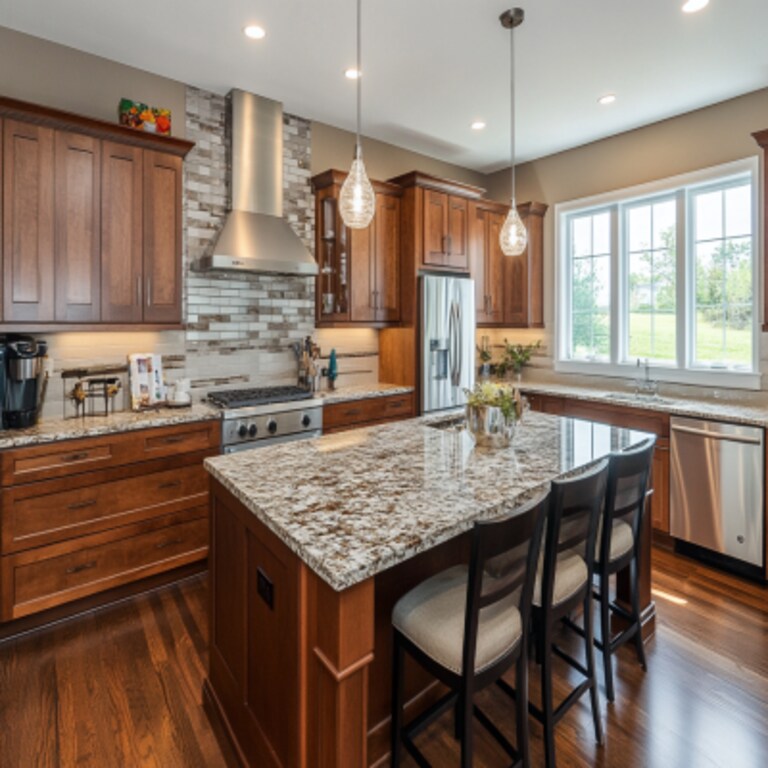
(665,273)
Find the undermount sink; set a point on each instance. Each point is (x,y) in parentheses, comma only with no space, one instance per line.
(636,397)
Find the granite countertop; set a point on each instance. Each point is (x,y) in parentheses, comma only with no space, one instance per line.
(694,408)
(356,503)
(51,430)
(362,392)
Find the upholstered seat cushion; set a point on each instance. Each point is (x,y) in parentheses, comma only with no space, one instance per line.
(431,616)
(622,540)
(570,576)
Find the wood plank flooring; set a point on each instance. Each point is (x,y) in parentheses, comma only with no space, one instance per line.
(122,687)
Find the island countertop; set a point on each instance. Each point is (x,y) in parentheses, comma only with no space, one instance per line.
(354,504)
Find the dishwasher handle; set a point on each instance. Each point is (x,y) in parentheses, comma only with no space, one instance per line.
(717,436)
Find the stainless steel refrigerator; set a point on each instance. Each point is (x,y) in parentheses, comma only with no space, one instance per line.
(447,341)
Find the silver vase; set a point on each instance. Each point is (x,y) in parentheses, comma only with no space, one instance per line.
(488,426)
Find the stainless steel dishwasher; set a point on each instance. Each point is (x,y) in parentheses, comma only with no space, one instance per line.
(717,488)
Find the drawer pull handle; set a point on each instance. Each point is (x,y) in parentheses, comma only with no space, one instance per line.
(170,484)
(82,567)
(167,543)
(82,504)
(174,439)
(396,404)
(353,412)
(77,456)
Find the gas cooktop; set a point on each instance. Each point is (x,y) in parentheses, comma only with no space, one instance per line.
(241,398)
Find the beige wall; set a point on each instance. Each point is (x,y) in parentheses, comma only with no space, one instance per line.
(55,76)
(333,148)
(695,140)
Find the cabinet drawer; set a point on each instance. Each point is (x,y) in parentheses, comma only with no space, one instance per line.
(50,576)
(371,410)
(42,513)
(69,457)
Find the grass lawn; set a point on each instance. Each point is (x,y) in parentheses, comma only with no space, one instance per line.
(709,340)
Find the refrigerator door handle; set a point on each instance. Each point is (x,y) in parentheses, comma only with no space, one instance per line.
(459,345)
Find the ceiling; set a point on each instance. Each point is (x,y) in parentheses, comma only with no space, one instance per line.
(431,67)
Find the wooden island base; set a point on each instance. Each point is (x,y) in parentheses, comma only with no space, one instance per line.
(299,674)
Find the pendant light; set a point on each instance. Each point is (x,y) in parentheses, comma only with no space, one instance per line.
(357,202)
(513,238)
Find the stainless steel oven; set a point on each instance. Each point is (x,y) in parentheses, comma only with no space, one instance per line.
(255,418)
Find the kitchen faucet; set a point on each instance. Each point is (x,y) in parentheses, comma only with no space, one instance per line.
(646,385)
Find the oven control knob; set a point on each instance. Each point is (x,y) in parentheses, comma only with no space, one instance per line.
(306,420)
(242,431)
(252,430)
(272,426)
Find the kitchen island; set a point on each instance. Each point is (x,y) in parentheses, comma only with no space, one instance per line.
(313,542)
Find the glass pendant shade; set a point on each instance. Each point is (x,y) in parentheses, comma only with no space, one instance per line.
(513,237)
(357,201)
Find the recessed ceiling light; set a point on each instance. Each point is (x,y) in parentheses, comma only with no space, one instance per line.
(254,31)
(609,98)
(478,125)
(691,6)
(352,74)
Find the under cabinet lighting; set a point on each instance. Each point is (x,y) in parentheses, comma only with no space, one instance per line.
(692,6)
(609,98)
(255,32)
(478,125)
(352,73)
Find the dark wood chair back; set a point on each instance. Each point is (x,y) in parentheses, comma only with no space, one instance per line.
(628,477)
(575,507)
(510,546)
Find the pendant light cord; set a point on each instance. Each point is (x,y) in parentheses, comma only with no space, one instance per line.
(512,105)
(358,148)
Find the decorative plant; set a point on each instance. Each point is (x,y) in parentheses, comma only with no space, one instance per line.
(484,354)
(501,396)
(517,355)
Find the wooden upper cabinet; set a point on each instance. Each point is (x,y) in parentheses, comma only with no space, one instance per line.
(524,274)
(77,209)
(387,263)
(91,221)
(359,280)
(162,237)
(28,222)
(122,173)
(435,227)
(487,261)
(457,255)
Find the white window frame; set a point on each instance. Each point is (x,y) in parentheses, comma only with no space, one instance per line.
(680,187)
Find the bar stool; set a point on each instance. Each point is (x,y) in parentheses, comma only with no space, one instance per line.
(618,547)
(563,584)
(468,628)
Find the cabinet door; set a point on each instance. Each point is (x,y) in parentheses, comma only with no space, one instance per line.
(121,233)
(28,222)
(516,290)
(660,484)
(387,261)
(332,285)
(435,228)
(477,262)
(363,273)
(494,265)
(458,235)
(162,237)
(77,232)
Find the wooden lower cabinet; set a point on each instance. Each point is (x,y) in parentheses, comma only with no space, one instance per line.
(367,412)
(629,417)
(81,517)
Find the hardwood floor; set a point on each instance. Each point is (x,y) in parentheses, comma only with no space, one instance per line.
(122,687)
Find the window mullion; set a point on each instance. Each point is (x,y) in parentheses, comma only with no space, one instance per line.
(685,287)
(617,303)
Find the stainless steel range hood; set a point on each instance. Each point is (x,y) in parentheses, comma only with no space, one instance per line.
(256,237)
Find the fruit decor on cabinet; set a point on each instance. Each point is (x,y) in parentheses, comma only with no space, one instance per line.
(91,222)
(359,269)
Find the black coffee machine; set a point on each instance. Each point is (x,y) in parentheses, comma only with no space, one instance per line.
(22,380)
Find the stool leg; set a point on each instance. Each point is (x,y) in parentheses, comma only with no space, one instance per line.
(635,577)
(605,630)
(590,651)
(465,702)
(521,709)
(397,701)
(545,653)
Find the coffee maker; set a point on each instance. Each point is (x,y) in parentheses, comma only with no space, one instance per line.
(22,380)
